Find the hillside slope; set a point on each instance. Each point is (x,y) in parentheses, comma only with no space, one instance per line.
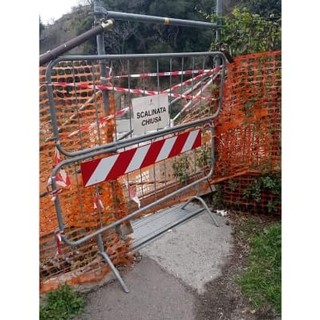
(64,29)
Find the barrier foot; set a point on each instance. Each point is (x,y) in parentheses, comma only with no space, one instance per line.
(115,271)
(205,206)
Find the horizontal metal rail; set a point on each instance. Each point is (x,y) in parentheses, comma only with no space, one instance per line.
(133,56)
(153,19)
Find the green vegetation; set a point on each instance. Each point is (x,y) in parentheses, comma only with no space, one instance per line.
(262,191)
(261,281)
(265,8)
(149,38)
(186,164)
(181,168)
(245,32)
(62,304)
(203,158)
(248,26)
(268,183)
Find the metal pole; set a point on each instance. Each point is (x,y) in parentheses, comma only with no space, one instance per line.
(101,51)
(54,53)
(109,262)
(219,22)
(154,19)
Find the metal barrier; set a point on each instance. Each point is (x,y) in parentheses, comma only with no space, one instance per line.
(191,81)
(190,140)
(114,172)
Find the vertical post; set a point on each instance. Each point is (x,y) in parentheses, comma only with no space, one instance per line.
(219,22)
(105,99)
(101,50)
(218,30)
(109,262)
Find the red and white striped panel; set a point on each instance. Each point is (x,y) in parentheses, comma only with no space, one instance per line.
(110,168)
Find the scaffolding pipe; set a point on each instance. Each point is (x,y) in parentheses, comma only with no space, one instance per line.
(101,51)
(154,19)
(219,20)
(56,52)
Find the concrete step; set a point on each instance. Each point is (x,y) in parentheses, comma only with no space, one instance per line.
(149,228)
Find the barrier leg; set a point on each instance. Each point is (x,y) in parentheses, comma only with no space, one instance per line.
(205,206)
(111,265)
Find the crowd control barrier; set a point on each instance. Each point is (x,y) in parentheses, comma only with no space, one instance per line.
(115,150)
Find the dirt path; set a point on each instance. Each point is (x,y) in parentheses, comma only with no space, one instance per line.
(223,299)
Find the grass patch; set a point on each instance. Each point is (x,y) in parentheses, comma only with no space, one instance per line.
(261,281)
(62,304)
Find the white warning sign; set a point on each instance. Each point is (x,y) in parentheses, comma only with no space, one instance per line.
(150,113)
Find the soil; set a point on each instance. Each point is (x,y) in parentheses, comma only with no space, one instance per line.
(223,299)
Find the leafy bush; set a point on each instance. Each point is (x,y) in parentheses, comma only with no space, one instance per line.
(245,32)
(268,183)
(181,169)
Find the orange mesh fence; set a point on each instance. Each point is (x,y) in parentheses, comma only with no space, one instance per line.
(60,263)
(248,130)
(254,192)
(76,107)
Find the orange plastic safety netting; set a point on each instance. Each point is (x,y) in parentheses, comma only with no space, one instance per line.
(60,263)
(248,132)
(83,124)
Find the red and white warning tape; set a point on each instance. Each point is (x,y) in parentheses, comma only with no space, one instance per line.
(187,82)
(132,189)
(58,241)
(123,111)
(162,74)
(201,73)
(62,178)
(97,202)
(109,87)
(134,91)
(99,122)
